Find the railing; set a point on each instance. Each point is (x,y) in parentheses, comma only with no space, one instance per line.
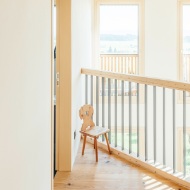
(121,63)
(152,133)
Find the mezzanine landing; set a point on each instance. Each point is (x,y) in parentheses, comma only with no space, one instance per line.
(111,172)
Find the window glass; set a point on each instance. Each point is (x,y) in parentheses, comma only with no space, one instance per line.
(119,29)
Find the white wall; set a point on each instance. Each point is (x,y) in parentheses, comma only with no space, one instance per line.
(161,39)
(81,57)
(161,61)
(25,96)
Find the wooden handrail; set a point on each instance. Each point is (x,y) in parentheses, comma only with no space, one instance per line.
(139,79)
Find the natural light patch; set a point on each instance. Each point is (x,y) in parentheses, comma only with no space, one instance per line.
(186,29)
(119,19)
(186,20)
(186,42)
(119,29)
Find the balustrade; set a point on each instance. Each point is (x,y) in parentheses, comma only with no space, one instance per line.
(147,130)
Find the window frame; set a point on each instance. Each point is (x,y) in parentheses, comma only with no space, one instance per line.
(96,45)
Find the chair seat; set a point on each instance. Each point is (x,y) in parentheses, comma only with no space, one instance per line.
(89,129)
(95,131)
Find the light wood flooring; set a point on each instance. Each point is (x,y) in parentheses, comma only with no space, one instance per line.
(110,173)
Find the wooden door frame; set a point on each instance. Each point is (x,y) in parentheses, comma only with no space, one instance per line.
(63,90)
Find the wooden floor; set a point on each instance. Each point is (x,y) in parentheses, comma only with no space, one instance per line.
(110,173)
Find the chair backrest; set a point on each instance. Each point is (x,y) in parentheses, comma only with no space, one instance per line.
(86,113)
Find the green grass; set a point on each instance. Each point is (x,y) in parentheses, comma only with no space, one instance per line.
(187,155)
(126,140)
(134,146)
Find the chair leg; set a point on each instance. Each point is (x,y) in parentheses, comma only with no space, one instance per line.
(107,142)
(84,142)
(96,148)
(94,142)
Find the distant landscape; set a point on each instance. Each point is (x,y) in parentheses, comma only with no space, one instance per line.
(119,44)
(128,44)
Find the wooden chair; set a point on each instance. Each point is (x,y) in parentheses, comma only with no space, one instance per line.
(89,129)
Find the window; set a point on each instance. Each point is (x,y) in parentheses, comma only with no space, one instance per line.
(119,39)
(184,43)
(184,75)
(119,29)
(119,36)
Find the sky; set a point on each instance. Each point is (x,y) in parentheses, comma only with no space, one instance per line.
(119,19)
(186,20)
(123,19)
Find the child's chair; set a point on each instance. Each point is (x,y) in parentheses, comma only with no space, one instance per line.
(89,129)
